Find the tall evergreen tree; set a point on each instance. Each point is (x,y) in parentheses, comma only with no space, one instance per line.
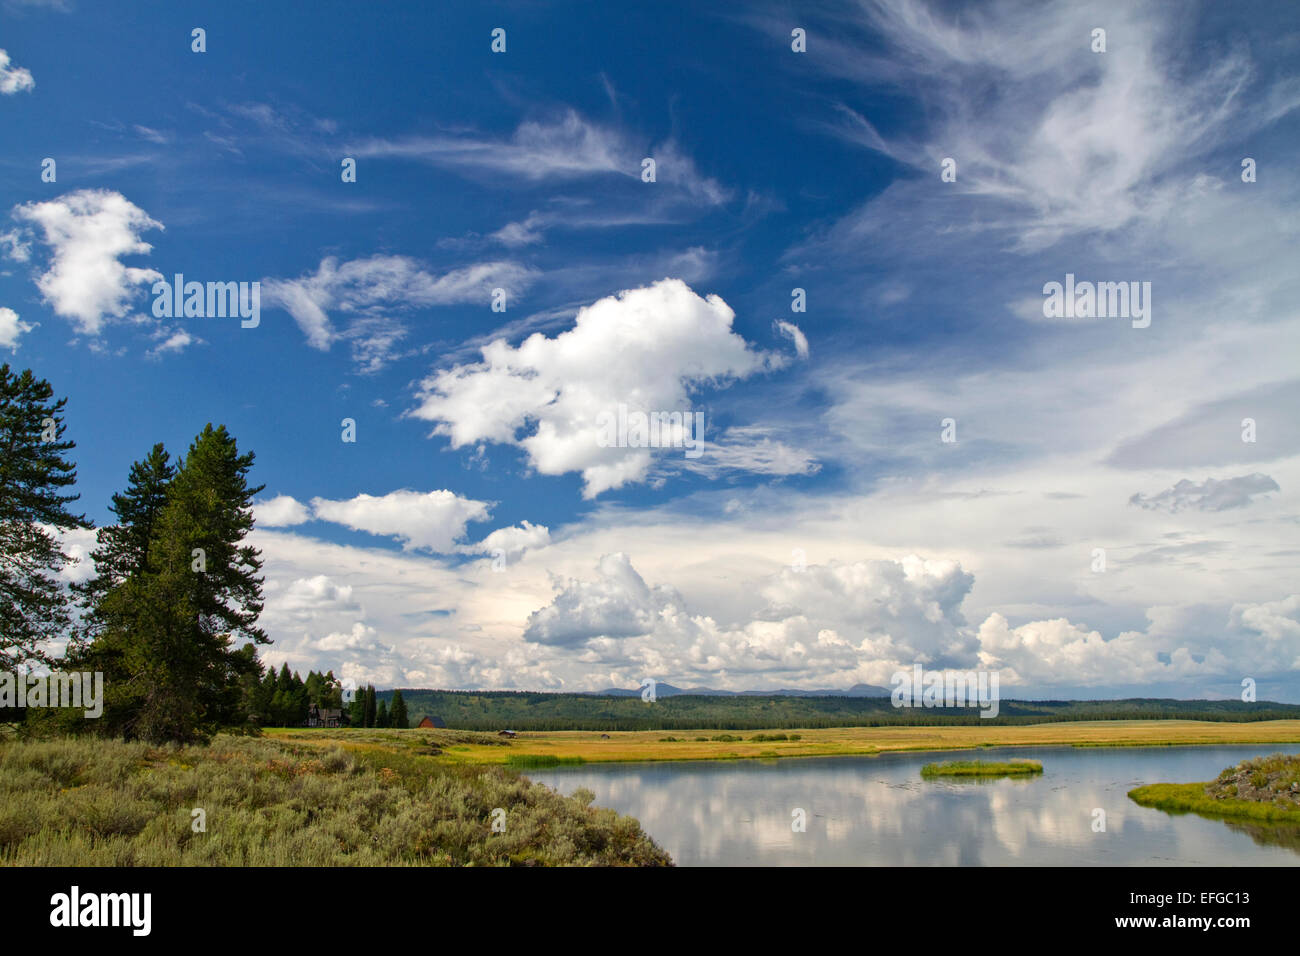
(173,623)
(104,639)
(266,698)
(122,548)
(242,694)
(34,608)
(371,712)
(357,709)
(301,702)
(381,715)
(255,701)
(397,715)
(332,691)
(315,684)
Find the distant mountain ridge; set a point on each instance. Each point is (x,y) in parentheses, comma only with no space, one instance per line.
(669,690)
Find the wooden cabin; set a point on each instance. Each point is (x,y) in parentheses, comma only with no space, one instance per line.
(324,716)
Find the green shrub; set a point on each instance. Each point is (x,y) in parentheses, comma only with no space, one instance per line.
(94,802)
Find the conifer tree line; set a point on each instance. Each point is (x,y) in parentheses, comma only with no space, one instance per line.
(365,712)
(169,612)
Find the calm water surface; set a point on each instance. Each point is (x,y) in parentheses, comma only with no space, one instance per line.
(874,811)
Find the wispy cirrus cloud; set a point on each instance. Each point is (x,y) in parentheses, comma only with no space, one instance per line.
(62,6)
(567,147)
(152,135)
(753,449)
(1065,144)
(795,335)
(1212,494)
(374,292)
(172,341)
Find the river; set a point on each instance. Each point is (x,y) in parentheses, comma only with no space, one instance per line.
(877,811)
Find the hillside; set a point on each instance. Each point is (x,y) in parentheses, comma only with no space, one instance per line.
(524,710)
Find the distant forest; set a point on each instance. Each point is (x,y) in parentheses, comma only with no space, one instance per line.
(522,710)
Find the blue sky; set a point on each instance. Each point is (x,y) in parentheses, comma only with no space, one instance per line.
(478,534)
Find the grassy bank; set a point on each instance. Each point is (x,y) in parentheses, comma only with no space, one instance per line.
(982,768)
(471,747)
(1263,790)
(84,802)
(1191,798)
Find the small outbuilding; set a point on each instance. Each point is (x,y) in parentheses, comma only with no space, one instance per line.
(435,722)
(507,733)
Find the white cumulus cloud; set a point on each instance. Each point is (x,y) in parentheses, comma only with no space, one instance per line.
(512,541)
(433,520)
(646,348)
(616,603)
(14,79)
(11,327)
(87,232)
(840,623)
(280,511)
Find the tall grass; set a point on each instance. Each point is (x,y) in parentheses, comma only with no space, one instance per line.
(538,761)
(83,802)
(982,768)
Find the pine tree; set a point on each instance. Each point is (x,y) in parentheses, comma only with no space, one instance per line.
(381,716)
(397,715)
(265,697)
(172,624)
(244,696)
(332,693)
(122,549)
(301,702)
(357,709)
(315,688)
(281,708)
(34,608)
(370,705)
